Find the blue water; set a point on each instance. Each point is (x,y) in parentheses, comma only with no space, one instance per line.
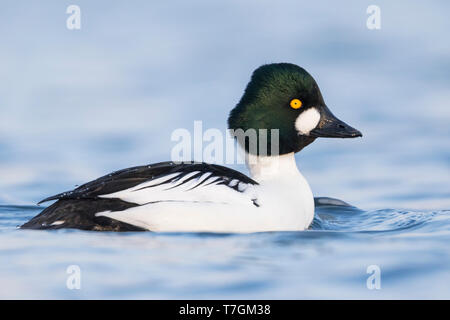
(328,261)
(75,105)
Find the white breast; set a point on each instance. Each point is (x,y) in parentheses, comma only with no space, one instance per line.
(283,190)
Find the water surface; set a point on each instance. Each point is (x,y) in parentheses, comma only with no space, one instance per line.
(328,261)
(75,105)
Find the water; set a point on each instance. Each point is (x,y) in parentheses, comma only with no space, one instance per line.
(75,105)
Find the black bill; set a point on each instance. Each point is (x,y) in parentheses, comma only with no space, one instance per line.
(331,127)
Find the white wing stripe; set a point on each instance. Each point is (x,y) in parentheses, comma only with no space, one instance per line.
(182,180)
(155,181)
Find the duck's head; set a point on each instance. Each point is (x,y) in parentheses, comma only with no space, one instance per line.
(284,96)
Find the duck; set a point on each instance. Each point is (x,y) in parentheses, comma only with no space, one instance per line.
(281,98)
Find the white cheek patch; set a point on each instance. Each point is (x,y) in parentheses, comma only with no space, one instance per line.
(307,121)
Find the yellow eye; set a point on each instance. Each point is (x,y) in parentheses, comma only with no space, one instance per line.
(296,103)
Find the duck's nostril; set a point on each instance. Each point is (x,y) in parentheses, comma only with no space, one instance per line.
(341,126)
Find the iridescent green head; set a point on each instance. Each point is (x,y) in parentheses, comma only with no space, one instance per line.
(284,96)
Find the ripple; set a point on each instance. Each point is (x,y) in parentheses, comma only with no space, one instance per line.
(352,219)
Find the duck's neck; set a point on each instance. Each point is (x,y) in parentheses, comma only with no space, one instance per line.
(272,168)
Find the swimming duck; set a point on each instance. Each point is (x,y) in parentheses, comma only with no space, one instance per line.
(202,197)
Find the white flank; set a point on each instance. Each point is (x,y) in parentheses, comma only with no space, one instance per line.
(285,202)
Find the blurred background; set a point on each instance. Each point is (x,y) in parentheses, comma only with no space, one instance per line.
(77,104)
